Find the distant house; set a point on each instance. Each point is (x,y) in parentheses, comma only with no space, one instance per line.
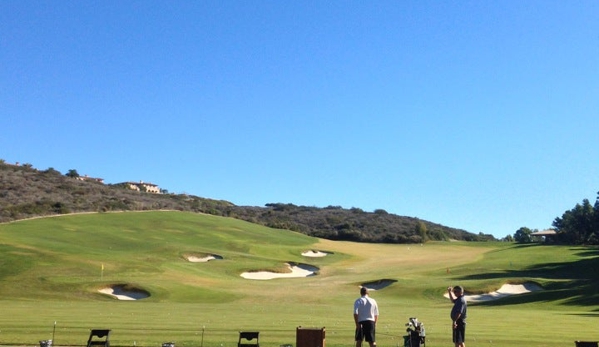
(545,235)
(143,186)
(91,179)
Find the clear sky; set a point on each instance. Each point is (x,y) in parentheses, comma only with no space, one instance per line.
(480,115)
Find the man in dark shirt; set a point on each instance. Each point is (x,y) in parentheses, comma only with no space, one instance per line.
(458,315)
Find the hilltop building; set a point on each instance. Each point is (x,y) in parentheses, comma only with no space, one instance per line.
(91,179)
(547,236)
(143,186)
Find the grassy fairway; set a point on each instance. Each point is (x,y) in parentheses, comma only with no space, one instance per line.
(51,270)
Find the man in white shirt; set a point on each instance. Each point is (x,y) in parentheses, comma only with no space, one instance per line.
(366,314)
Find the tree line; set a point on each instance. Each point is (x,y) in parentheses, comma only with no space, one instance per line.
(580,225)
(577,226)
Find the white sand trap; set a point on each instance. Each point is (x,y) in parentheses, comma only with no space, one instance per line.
(300,270)
(196,259)
(122,294)
(505,290)
(315,254)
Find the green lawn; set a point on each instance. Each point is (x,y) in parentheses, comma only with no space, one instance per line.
(51,270)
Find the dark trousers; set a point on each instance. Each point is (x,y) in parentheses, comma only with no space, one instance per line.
(459,332)
(366,331)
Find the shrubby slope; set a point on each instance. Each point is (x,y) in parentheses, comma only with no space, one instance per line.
(26,192)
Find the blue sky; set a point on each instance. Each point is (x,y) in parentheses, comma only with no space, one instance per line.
(480,115)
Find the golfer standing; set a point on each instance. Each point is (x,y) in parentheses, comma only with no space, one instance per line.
(366,314)
(458,315)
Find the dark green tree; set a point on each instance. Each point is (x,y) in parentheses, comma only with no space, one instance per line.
(72,173)
(595,237)
(522,235)
(579,225)
(51,171)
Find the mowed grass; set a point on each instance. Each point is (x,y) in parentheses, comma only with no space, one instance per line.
(51,270)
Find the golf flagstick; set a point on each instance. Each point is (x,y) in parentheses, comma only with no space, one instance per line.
(53,332)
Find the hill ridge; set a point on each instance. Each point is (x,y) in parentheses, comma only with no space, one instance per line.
(26,192)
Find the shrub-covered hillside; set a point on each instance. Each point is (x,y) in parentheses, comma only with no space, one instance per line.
(26,192)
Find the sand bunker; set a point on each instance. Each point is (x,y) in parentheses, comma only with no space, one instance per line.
(378,285)
(202,259)
(125,292)
(295,270)
(315,253)
(505,290)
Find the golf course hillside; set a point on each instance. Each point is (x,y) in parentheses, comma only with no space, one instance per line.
(197,280)
(26,192)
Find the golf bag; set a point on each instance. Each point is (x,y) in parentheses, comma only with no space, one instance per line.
(416,336)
